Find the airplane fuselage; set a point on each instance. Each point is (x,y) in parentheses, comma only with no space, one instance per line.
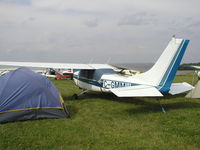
(102,80)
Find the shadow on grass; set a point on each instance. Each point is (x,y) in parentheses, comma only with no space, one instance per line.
(72,110)
(145,104)
(168,96)
(112,97)
(103,96)
(155,107)
(90,95)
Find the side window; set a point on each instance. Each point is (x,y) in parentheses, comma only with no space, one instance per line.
(87,74)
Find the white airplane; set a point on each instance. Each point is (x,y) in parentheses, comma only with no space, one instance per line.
(103,78)
(4,71)
(198,74)
(57,73)
(194,68)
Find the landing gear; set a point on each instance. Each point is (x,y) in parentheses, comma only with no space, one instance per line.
(75,96)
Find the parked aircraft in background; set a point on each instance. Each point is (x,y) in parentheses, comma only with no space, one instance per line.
(50,73)
(58,73)
(192,67)
(196,68)
(3,71)
(104,78)
(197,72)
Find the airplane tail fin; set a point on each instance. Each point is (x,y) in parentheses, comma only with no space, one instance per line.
(162,74)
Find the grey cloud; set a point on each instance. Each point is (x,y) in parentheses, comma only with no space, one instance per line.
(91,23)
(81,12)
(74,12)
(194,24)
(141,18)
(18,2)
(74,34)
(7,24)
(32,18)
(190,26)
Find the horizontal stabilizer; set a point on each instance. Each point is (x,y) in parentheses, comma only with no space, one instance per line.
(137,91)
(177,88)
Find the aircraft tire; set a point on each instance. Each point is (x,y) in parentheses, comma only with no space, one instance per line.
(75,96)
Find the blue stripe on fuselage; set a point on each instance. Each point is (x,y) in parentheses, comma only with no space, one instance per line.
(89,81)
(107,84)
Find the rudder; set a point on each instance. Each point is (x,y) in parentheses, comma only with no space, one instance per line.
(162,74)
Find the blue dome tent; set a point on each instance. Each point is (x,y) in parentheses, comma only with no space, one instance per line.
(25,95)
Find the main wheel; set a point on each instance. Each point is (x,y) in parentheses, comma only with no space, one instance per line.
(75,96)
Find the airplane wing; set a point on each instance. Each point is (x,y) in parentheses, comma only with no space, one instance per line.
(56,65)
(137,91)
(192,67)
(196,67)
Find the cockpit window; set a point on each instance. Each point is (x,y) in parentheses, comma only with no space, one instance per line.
(87,74)
(99,72)
(95,74)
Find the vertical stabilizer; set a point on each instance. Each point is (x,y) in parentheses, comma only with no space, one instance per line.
(164,70)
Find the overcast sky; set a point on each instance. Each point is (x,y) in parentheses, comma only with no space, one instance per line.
(96,31)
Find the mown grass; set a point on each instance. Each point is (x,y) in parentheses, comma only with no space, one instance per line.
(105,122)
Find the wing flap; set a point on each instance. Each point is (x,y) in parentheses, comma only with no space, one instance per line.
(137,91)
(177,88)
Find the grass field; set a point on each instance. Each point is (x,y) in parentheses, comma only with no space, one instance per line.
(105,122)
